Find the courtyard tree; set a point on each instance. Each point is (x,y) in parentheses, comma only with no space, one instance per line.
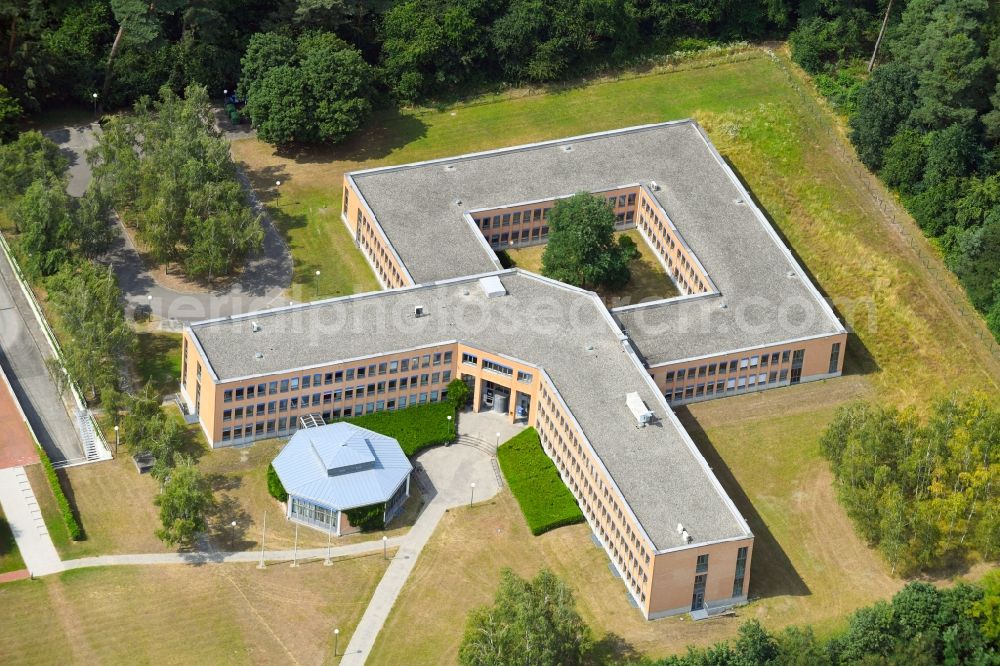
(184,503)
(315,90)
(530,622)
(582,249)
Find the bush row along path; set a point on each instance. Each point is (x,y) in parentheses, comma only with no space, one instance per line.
(260,285)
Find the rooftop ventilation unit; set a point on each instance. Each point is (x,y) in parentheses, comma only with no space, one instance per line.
(418,311)
(653,185)
(458,202)
(680,528)
(259,355)
(567,149)
(686,537)
(254,326)
(492,286)
(639,410)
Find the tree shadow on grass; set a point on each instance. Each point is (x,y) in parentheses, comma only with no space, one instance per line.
(772,572)
(386,131)
(221,531)
(611,649)
(857,357)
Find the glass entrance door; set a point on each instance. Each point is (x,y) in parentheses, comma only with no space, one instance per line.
(698,598)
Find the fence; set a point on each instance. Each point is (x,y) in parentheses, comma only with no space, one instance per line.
(890,210)
(50,337)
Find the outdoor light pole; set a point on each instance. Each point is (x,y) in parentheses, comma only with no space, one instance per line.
(263,530)
(295,548)
(336,641)
(449,426)
(233,544)
(95,103)
(472,493)
(385,547)
(116,440)
(498,440)
(317,284)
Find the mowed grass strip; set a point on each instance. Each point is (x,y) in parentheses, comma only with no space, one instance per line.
(166,614)
(544,499)
(10,556)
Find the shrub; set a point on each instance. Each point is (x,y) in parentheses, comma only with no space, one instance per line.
(415,428)
(544,499)
(369,518)
(459,393)
(274,486)
(69,518)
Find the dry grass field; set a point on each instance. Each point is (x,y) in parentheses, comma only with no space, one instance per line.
(231,614)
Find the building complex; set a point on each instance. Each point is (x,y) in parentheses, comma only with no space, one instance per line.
(597,383)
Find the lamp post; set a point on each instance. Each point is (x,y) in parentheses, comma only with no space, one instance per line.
(94,95)
(472,493)
(498,440)
(385,547)
(263,530)
(449,426)
(317,284)
(116,440)
(329,539)
(295,548)
(233,544)
(336,641)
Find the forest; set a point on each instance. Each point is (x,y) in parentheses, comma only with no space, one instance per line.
(926,119)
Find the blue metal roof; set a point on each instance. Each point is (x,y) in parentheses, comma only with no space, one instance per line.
(341,466)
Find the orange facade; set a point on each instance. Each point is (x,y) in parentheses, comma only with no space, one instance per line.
(750,370)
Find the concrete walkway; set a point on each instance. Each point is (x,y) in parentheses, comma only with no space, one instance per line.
(446,473)
(25,520)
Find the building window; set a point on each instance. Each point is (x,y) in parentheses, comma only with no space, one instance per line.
(741,567)
(227,395)
(834,357)
(702,565)
(524,377)
(698,596)
(493,366)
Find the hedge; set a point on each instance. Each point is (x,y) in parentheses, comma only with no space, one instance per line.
(415,428)
(369,518)
(544,499)
(274,486)
(69,518)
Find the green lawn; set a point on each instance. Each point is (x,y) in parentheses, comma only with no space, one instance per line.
(158,360)
(544,499)
(415,428)
(10,556)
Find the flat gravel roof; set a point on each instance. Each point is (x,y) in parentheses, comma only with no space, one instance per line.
(763,296)
(565,331)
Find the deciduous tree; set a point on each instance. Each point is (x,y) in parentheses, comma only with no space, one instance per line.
(184,503)
(582,249)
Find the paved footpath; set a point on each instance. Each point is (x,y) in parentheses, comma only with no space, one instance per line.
(363,639)
(25,520)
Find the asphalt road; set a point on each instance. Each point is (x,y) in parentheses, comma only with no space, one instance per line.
(262,283)
(23,351)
